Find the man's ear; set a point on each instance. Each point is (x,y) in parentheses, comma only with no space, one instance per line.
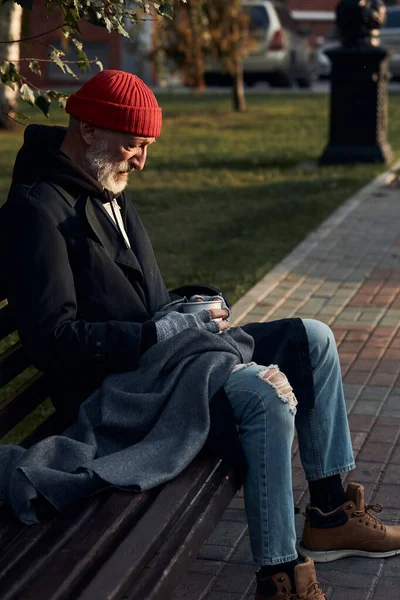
(87,132)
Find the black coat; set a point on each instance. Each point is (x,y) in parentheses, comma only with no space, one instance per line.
(83,300)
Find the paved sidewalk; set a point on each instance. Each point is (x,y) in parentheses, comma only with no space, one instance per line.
(347,274)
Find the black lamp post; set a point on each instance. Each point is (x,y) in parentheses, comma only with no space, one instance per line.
(358,122)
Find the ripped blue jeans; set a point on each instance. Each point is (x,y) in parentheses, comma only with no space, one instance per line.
(266,415)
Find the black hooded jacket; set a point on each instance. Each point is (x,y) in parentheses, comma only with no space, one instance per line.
(82,299)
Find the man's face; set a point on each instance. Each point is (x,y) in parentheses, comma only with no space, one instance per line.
(112,156)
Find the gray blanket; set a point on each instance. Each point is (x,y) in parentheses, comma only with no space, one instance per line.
(138,430)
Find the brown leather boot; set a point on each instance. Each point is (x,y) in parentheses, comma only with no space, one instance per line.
(307,587)
(350,530)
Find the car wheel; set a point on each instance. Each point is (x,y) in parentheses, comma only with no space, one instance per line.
(284,80)
(305,82)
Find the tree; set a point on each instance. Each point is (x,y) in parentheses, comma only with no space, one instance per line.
(207,28)
(229,27)
(10,29)
(114,16)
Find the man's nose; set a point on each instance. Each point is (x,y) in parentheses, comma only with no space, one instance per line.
(139,159)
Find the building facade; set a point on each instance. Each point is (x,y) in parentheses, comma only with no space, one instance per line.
(319,15)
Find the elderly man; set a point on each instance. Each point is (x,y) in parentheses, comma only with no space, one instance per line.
(90,302)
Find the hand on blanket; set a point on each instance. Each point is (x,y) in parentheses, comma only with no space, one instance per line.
(175,322)
(198,298)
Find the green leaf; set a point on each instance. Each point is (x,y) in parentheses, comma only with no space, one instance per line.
(166,10)
(108,24)
(69,71)
(99,64)
(21,115)
(27,94)
(4,66)
(59,96)
(77,43)
(43,102)
(55,57)
(82,66)
(35,67)
(122,31)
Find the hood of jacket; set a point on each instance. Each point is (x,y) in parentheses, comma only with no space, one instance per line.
(40,159)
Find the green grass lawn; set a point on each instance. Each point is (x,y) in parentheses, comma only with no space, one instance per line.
(222,194)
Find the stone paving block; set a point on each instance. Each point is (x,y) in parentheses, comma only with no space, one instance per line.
(234,514)
(235,578)
(392,567)
(382,379)
(395,458)
(387,589)
(227,533)
(243,553)
(206,567)
(366,407)
(374,393)
(193,585)
(367,472)
(387,495)
(341,593)
(360,377)
(361,581)
(392,476)
(361,422)
(358,438)
(384,433)
(352,391)
(212,552)
(373,452)
(224,596)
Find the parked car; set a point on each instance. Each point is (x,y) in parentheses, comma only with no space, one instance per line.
(390,39)
(279,50)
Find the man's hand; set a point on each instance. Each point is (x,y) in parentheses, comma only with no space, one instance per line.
(175,322)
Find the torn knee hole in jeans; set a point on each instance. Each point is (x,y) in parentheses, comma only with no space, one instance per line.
(278,380)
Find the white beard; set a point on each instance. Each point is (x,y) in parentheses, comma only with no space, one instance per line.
(105,171)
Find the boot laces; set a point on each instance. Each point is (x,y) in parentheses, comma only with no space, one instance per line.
(313,592)
(365,517)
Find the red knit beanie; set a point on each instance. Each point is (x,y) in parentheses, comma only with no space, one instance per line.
(119,101)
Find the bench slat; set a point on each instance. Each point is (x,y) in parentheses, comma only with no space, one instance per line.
(12,362)
(7,322)
(124,567)
(39,571)
(21,402)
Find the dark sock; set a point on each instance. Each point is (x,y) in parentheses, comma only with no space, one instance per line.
(266,588)
(327,494)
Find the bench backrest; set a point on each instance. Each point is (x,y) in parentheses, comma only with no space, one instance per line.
(22,387)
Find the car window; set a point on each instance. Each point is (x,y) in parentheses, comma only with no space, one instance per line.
(393,19)
(259,18)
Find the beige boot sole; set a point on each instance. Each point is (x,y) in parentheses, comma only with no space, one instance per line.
(324,556)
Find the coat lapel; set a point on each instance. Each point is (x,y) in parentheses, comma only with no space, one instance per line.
(110,238)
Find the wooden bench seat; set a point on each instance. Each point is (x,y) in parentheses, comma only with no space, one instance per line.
(112,546)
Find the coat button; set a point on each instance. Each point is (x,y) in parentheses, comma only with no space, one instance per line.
(98,344)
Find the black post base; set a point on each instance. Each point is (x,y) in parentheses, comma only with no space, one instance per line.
(335,154)
(358,119)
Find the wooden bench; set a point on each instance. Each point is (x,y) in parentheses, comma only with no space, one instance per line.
(115,545)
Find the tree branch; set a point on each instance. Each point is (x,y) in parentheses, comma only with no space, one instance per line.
(33,37)
(12,118)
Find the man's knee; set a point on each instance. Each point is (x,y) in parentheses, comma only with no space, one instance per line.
(320,337)
(280,383)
